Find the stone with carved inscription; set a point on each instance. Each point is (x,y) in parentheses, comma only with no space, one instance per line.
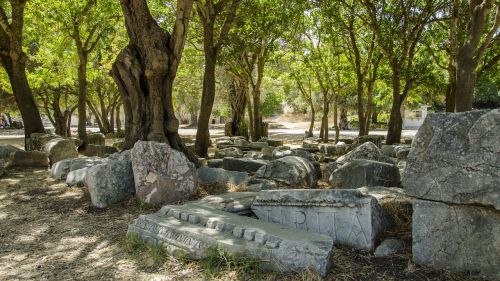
(193,230)
(349,216)
(162,174)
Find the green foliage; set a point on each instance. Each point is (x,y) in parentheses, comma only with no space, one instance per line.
(272,104)
(486,95)
(133,245)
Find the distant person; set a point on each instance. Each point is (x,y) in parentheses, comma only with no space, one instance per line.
(2,119)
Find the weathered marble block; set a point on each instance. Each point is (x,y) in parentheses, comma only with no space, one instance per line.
(456,159)
(349,216)
(193,230)
(457,237)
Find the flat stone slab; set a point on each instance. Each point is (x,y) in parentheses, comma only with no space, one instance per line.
(457,237)
(193,230)
(248,165)
(349,216)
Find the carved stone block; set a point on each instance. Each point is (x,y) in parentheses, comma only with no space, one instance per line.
(349,216)
(280,247)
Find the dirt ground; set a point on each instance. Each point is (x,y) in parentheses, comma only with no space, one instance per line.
(51,232)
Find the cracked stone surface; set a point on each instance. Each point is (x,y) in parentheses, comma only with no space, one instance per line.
(193,230)
(456,159)
(162,174)
(457,237)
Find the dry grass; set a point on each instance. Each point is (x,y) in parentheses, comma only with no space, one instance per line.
(51,232)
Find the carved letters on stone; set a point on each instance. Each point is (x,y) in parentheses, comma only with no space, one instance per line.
(348,216)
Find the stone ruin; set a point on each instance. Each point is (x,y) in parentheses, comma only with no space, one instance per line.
(450,175)
(454,171)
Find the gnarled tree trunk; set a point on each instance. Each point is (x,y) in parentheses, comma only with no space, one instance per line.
(144,72)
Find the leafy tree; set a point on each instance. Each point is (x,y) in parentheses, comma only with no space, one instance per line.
(479,39)
(209,11)
(13,59)
(398,28)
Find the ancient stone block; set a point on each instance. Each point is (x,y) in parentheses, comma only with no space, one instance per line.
(348,216)
(456,159)
(292,171)
(162,174)
(193,230)
(242,164)
(109,182)
(457,237)
(361,172)
(367,151)
(219,180)
(60,170)
(28,159)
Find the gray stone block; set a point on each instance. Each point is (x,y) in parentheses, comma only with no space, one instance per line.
(28,159)
(228,152)
(360,172)
(60,170)
(280,247)
(76,177)
(457,237)
(456,159)
(248,165)
(367,151)
(110,182)
(292,171)
(348,216)
(221,180)
(389,247)
(214,163)
(162,174)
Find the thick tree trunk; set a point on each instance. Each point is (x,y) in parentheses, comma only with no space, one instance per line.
(335,118)
(111,119)
(395,125)
(24,99)
(452,71)
(207,102)
(118,121)
(257,116)
(360,107)
(343,123)
(144,72)
(82,98)
(250,116)
(313,117)
(324,123)
(472,51)
(238,98)
(466,79)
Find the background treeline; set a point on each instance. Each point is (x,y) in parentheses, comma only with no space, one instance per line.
(335,61)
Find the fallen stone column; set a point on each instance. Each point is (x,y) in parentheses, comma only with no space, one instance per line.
(194,230)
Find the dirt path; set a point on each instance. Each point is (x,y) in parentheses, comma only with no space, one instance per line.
(51,232)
